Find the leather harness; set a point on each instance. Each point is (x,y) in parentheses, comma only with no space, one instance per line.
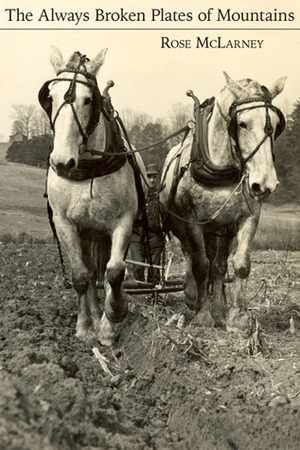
(201,167)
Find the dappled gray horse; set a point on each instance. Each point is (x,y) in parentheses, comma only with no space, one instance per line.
(212,188)
(92,190)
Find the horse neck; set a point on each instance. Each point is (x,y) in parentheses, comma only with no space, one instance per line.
(218,139)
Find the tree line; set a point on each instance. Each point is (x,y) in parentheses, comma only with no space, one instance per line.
(143,130)
(287,158)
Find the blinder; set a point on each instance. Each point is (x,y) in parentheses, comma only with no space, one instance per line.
(45,99)
(281,124)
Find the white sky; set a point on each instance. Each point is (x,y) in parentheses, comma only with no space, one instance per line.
(147,78)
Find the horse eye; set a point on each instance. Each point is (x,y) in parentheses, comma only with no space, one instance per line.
(243,125)
(88,101)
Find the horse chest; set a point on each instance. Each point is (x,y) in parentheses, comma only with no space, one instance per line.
(215,206)
(88,213)
(97,206)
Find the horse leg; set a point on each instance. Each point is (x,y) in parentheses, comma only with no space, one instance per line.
(101,255)
(71,243)
(89,302)
(218,272)
(238,317)
(116,300)
(197,275)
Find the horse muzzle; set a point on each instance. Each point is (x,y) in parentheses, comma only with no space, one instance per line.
(64,169)
(261,191)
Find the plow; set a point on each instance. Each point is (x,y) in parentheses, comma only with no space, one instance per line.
(165,286)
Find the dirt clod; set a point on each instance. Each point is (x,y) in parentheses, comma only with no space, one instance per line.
(170,384)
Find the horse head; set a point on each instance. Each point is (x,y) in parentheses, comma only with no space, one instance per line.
(253,123)
(73,103)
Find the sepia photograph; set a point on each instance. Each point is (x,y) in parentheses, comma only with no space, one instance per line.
(150,225)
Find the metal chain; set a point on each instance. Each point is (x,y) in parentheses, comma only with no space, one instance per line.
(67,282)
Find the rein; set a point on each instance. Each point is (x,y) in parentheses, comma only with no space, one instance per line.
(186,129)
(69,99)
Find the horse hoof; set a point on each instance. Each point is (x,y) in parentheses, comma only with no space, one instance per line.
(218,312)
(204,319)
(109,331)
(237,321)
(85,334)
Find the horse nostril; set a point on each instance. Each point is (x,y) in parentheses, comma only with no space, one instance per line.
(259,192)
(71,164)
(64,170)
(256,189)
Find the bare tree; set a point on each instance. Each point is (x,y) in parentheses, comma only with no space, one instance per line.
(41,124)
(133,118)
(24,116)
(128,117)
(179,115)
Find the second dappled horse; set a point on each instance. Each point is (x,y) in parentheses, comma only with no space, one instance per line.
(212,189)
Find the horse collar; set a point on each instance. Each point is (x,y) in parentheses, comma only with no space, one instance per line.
(202,168)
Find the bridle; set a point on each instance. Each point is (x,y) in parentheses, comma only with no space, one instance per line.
(70,97)
(264,101)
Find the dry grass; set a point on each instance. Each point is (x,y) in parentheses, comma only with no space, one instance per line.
(23,207)
(23,210)
(279,229)
(21,186)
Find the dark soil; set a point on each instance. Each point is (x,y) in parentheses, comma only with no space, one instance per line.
(165,386)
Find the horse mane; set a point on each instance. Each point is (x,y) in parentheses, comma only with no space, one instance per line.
(253,87)
(250,87)
(74,60)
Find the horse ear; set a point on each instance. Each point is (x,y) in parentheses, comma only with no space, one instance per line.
(233,86)
(94,65)
(277,87)
(56,58)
